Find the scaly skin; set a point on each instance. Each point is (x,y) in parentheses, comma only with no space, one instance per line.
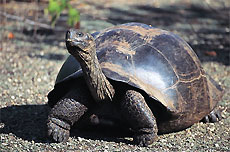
(83,48)
(64,114)
(140,117)
(69,109)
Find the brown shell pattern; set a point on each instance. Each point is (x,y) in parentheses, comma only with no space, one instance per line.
(156,61)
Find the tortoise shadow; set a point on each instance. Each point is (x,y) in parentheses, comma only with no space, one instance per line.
(109,134)
(26,121)
(29,123)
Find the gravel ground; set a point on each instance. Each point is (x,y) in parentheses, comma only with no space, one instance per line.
(29,65)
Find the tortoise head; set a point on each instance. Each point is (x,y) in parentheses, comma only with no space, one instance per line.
(79,43)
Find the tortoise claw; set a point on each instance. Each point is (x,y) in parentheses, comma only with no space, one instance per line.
(214,116)
(58,130)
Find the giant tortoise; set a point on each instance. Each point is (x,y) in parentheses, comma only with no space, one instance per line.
(142,77)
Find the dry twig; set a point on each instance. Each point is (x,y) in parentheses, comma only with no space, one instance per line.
(31,22)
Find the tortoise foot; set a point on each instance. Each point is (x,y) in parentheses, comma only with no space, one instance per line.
(144,138)
(212,117)
(62,116)
(140,117)
(58,129)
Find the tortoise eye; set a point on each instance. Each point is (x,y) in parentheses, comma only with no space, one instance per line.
(80,34)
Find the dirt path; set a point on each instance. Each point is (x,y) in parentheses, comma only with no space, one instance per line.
(29,65)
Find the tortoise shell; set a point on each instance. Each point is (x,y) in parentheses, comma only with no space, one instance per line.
(158,62)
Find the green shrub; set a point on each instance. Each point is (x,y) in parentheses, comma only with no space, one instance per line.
(55,8)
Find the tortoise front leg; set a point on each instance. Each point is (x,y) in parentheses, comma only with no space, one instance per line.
(63,115)
(140,117)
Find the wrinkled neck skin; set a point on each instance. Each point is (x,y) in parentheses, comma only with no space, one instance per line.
(98,84)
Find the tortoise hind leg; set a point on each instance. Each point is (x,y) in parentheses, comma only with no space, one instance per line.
(213,116)
(63,115)
(140,117)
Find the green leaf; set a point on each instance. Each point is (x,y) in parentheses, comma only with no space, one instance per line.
(54,7)
(63,4)
(74,16)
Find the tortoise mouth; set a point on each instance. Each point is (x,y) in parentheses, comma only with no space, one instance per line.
(72,42)
(75,46)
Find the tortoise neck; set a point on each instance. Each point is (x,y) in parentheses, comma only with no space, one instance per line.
(98,84)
